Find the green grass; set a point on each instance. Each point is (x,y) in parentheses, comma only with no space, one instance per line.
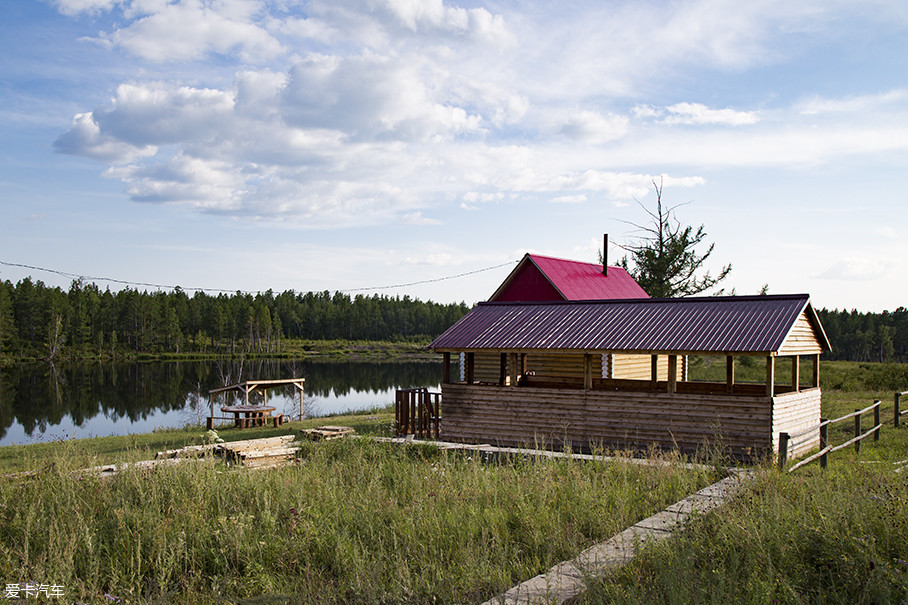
(143,446)
(361,522)
(354,521)
(834,535)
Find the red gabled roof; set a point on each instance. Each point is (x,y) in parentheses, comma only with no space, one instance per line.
(544,278)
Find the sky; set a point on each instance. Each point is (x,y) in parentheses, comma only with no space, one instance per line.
(421,147)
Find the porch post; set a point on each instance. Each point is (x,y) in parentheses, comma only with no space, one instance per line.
(730,373)
(770,376)
(654,373)
(587,371)
(672,373)
(796,373)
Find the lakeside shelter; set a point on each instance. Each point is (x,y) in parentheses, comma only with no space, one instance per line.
(553,384)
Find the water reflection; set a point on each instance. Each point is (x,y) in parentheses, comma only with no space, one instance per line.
(40,401)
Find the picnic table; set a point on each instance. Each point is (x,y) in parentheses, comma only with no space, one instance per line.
(252,415)
(249,415)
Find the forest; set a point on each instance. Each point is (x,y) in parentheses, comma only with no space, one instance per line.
(42,322)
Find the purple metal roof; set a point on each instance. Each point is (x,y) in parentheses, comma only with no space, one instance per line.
(733,324)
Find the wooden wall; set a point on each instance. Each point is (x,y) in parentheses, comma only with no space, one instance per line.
(639,367)
(487,366)
(802,340)
(515,416)
(793,413)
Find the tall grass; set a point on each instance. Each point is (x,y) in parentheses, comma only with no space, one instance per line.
(839,536)
(351,522)
(834,535)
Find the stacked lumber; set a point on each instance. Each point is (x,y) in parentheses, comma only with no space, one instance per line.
(253,453)
(326,433)
(259,453)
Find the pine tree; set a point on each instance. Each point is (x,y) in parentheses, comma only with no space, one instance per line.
(665,261)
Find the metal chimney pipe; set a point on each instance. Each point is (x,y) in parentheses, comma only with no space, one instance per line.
(605,254)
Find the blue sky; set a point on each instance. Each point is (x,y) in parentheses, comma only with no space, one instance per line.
(357,144)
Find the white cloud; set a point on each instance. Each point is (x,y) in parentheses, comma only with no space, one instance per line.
(417,218)
(859,269)
(75,7)
(435,16)
(593,127)
(695,114)
(374,97)
(569,199)
(379,110)
(852,104)
(85,138)
(473,197)
(205,184)
(185,30)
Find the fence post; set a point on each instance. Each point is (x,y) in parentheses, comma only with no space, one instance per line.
(438,416)
(857,432)
(824,440)
(783,450)
(876,420)
(898,414)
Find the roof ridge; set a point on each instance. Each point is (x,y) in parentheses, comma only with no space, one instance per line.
(680,299)
(569,260)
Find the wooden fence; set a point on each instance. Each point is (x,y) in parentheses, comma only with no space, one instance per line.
(417,412)
(825,449)
(898,408)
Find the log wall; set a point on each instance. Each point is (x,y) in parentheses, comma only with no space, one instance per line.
(746,426)
(584,419)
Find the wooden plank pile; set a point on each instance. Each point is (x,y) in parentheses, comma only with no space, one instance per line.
(252,453)
(327,433)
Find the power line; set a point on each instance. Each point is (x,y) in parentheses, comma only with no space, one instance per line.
(110,279)
(168,287)
(429,281)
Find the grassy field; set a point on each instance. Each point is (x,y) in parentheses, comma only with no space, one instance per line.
(834,535)
(365,522)
(354,521)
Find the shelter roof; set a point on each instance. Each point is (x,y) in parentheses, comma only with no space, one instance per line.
(539,277)
(698,325)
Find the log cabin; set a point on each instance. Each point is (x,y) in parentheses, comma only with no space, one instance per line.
(553,385)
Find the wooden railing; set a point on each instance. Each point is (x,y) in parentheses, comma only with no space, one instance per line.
(825,449)
(897,408)
(417,412)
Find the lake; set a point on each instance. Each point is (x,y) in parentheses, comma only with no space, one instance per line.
(43,402)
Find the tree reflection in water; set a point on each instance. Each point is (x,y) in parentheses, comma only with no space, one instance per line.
(42,397)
